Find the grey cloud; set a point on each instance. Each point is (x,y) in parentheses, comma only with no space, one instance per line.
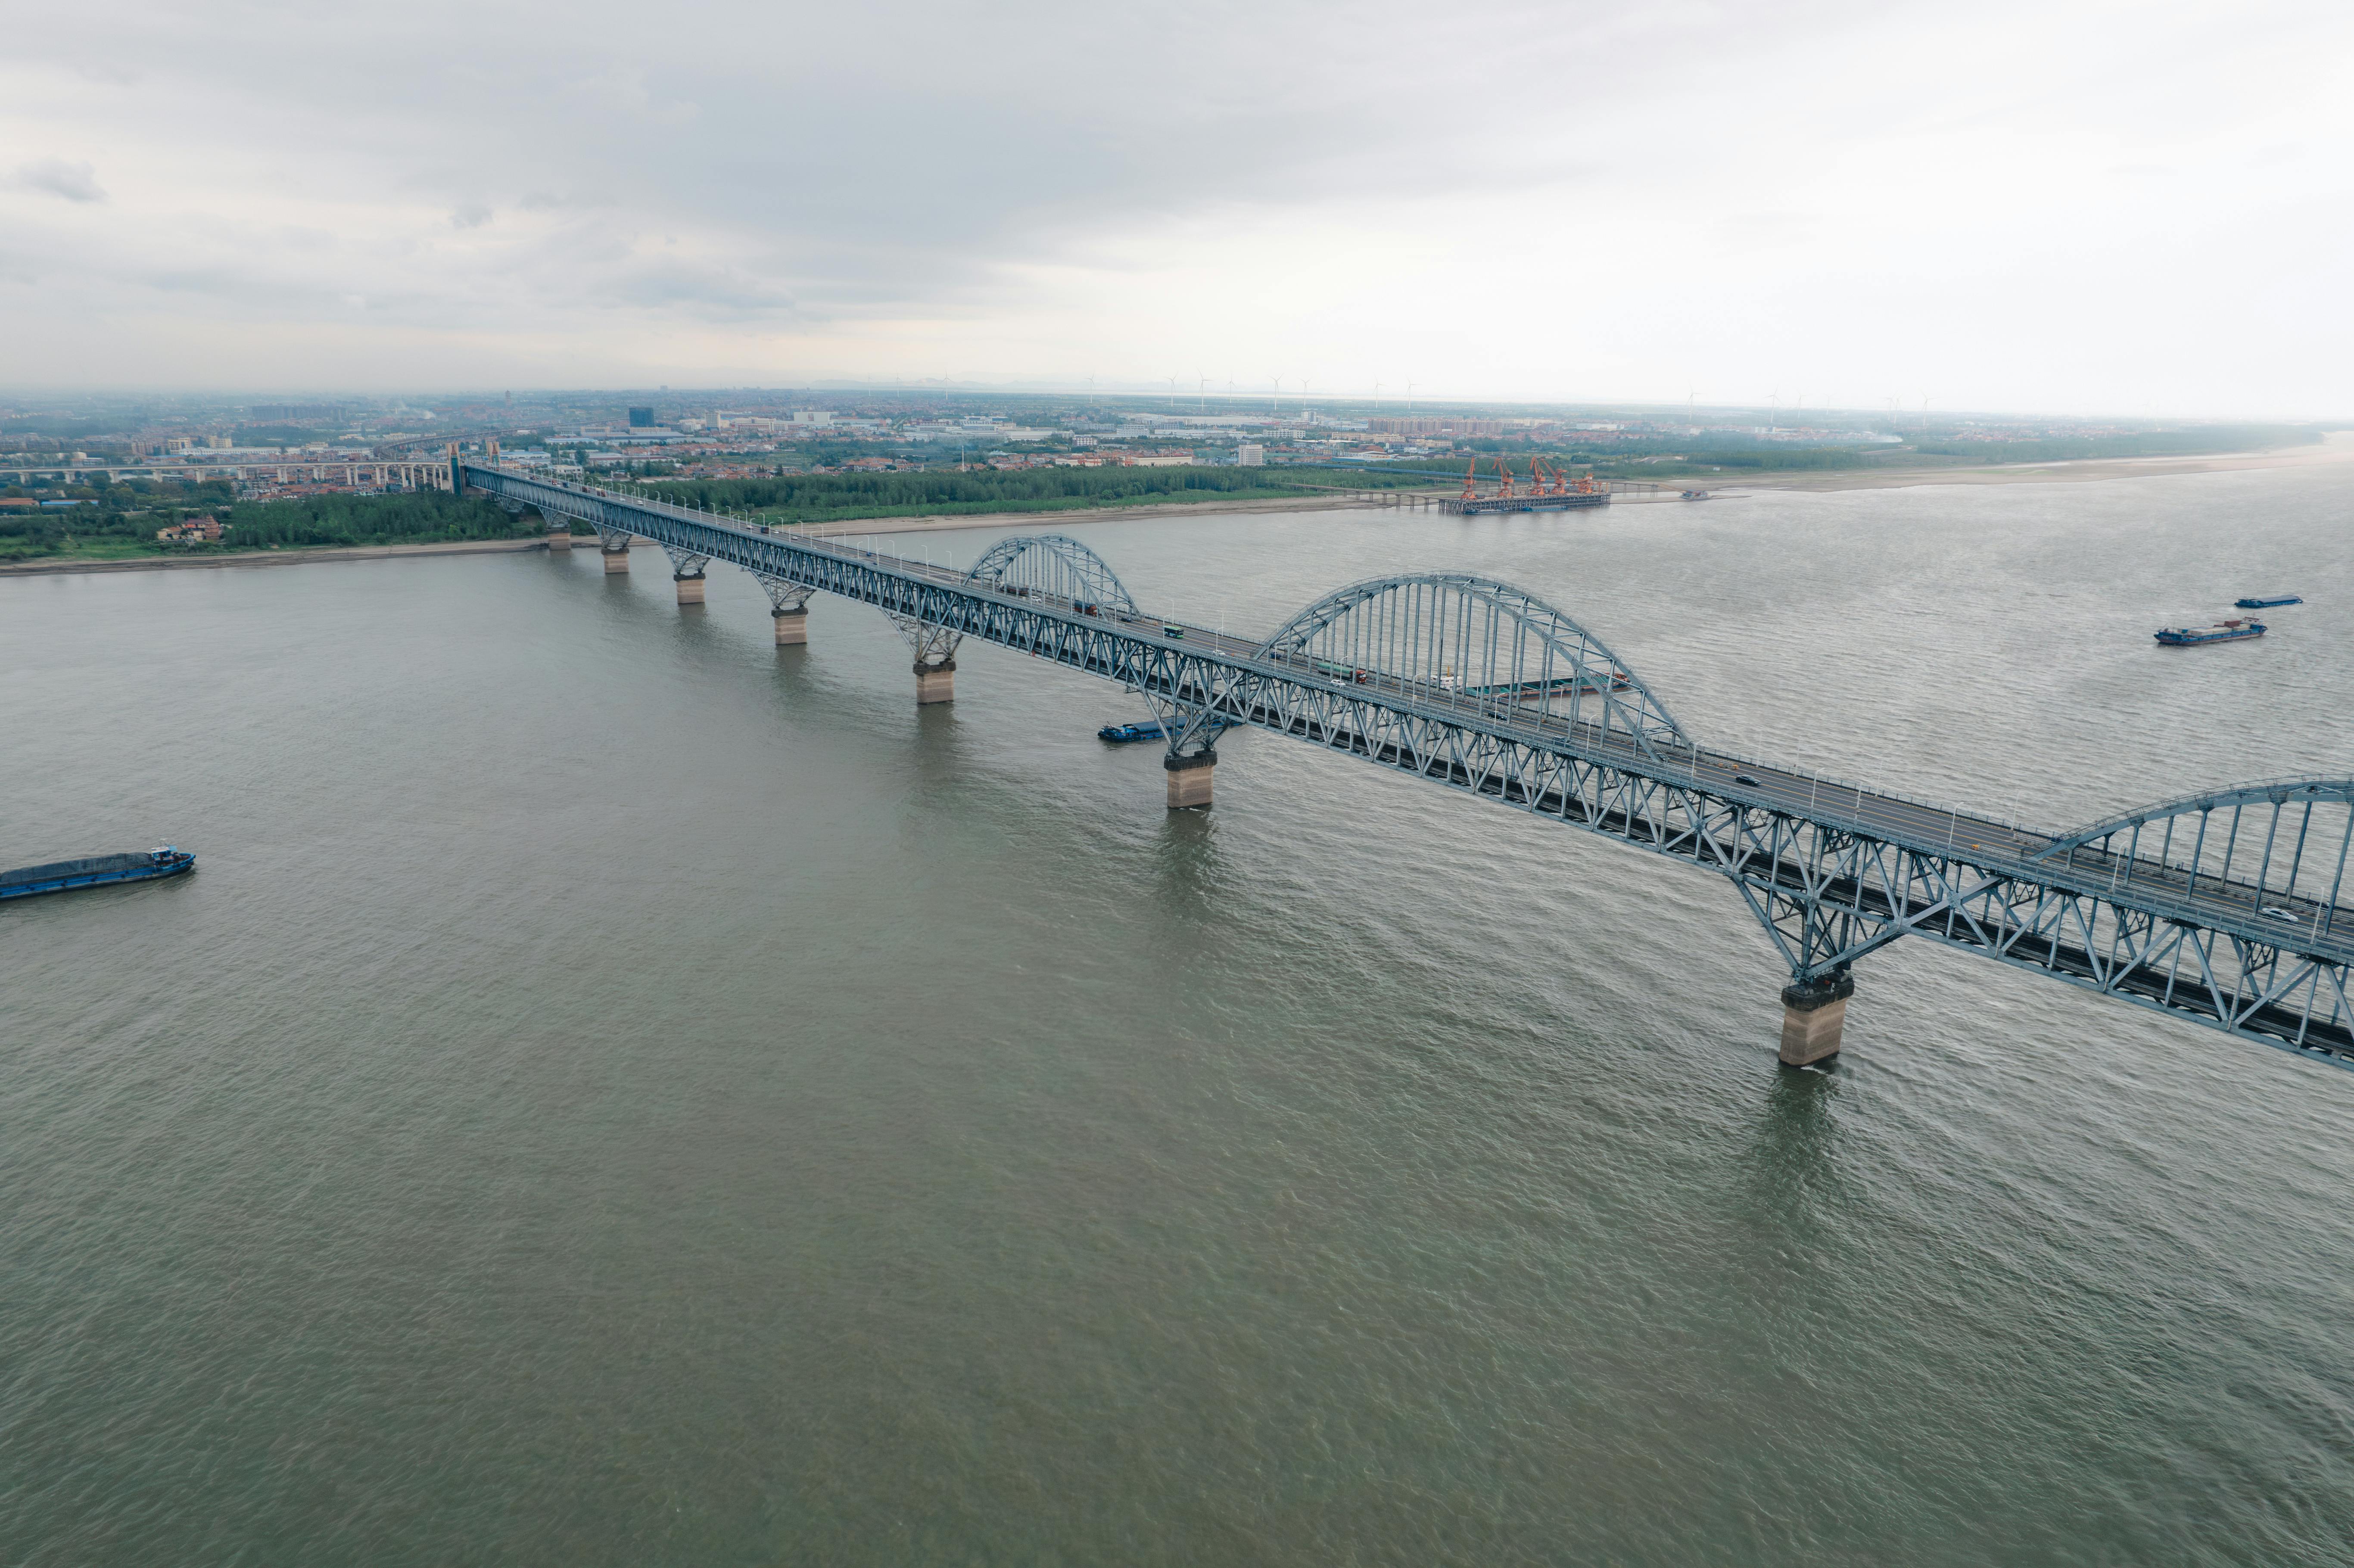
(941,160)
(55,176)
(915,147)
(710,291)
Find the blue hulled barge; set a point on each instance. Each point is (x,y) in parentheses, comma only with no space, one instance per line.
(2222,631)
(98,871)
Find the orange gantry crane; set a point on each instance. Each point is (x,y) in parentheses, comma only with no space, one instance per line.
(1546,481)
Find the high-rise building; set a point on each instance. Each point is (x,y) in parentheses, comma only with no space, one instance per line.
(641,418)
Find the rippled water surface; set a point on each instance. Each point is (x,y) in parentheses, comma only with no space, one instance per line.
(617,1091)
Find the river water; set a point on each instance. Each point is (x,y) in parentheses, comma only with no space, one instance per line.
(620,1092)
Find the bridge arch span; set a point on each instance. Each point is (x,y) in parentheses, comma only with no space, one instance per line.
(2281,839)
(1053,565)
(1473,641)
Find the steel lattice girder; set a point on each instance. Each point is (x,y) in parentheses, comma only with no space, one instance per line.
(785,597)
(1827,890)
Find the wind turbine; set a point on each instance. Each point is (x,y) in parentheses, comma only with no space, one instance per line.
(1275,403)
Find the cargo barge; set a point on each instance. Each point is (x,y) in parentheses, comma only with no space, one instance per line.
(1126,734)
(98,871)
(2265,601)
(2222,631)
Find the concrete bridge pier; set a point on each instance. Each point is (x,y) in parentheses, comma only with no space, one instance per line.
(1189,780)
(934,648)
(615,543)
(788,609)
(1813,1013)
(560,534)
(686,571)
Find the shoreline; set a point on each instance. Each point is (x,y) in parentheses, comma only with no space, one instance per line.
(923,524)
(2076,471)
(2066,471)
(854,529)
(275,558)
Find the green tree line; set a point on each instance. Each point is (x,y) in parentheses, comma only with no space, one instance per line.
(116,530)
(829,497)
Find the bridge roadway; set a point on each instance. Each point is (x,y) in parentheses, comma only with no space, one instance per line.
(1985,842)
(1832,869)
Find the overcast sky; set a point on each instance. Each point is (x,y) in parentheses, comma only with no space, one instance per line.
(2060,206)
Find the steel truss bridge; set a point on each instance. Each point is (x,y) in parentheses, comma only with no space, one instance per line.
(2229,908)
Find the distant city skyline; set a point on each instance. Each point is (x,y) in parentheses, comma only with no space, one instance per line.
(2067,208)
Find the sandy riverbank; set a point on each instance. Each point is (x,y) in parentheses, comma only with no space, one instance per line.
(871,526)
(2335,448)
(274,557)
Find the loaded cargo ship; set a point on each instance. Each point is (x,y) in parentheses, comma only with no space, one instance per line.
(98,871)
(2222,631)
(1149,730)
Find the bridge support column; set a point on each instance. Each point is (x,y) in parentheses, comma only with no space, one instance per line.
(789,610)
(1813,1013)
(686,571)
(935,647)
(560,535)
(616,546)
(1189,780)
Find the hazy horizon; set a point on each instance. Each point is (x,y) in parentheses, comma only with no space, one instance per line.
(2073,210)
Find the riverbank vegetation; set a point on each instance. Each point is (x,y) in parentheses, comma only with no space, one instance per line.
(932,493)
(111,522)
(112,527)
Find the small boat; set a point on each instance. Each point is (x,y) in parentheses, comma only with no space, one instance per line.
(2265,601)
(98,871)
(2222,631)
